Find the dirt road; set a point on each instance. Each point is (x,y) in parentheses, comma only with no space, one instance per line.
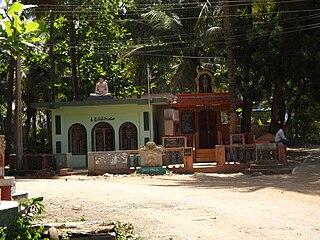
(198,206)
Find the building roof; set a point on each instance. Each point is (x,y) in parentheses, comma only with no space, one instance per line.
(203,100)
(106,100)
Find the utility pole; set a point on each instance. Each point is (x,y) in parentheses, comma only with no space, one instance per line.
(150,106)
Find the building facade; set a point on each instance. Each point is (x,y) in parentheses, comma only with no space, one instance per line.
(104,124)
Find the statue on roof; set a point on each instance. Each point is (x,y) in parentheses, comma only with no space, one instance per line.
(101,88)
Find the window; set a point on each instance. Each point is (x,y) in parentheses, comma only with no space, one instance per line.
(187,122)
(128,136)
(146,121)
(77,139)
(58,124)
(103,136)
(58,147)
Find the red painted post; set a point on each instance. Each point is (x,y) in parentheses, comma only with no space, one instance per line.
(282,153)
(220,155)
(188,159)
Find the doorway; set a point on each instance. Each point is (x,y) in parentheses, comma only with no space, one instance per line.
(207,129)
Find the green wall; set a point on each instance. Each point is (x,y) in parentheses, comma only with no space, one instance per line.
(89,116)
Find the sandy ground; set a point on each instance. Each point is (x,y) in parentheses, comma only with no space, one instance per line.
(197,206)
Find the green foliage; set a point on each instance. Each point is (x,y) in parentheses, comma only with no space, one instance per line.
(81,219)
(125,231)
(22,227)
(272,42)
(32,208)
(15,33)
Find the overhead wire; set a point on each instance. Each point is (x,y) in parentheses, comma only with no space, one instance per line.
(155,54)
(183,4)
(45,6)
(235,38)
(239,36)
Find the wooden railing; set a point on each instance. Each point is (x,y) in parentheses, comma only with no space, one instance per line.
(240,153)
(35,162)
(171,156)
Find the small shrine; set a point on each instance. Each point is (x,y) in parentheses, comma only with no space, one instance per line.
(151,159)
(203,117)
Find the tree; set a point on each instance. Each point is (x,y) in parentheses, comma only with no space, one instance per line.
(15,38)
(176,32)
(230,65)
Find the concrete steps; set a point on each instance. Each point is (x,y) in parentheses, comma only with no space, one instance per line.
(268,168)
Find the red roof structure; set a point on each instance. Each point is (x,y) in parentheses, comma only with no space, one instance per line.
(215,100)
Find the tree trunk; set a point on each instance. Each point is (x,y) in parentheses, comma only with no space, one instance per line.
(18,128)
(52,73)
(246,114)
(248,97)
(278,107)
(30,144)
(49,131)
(51,57)
(34,126)
(230,66)
(9,135)
(73,58)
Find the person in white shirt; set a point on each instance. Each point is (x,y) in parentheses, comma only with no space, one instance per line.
(280,137)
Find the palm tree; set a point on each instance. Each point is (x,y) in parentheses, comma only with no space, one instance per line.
(230,65)
(177,31)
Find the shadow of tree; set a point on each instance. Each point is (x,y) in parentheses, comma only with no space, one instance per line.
(305,180)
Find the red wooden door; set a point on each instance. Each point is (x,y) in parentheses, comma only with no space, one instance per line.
(207,129)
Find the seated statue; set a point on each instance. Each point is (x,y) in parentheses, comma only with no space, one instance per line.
(101,88)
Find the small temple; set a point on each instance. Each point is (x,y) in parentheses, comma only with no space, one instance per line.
(104,134)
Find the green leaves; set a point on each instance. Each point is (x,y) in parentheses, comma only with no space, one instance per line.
(17,23)
(30,27)
(22,227)
(17,32)
(8,29)
(15,8)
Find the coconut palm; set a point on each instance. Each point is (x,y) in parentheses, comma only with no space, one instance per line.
(179,31)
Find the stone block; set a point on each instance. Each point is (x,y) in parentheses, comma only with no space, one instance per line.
(107,160)
(7,186)
(8,212)
(266,152)
(151,158)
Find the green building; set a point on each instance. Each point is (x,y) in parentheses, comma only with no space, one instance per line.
(104,123)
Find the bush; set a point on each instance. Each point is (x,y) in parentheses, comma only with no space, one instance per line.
(22,227)
(125,231)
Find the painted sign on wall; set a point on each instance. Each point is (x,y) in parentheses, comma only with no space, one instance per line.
(101,118)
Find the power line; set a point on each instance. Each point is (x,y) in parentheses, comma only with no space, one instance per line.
(237,37)
(233,3)
(187,18)
(235,40)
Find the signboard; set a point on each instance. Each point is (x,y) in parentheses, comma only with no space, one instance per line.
(174,142)
(102,118)
(187,152)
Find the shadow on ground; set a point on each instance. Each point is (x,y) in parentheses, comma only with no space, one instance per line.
(304,179)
